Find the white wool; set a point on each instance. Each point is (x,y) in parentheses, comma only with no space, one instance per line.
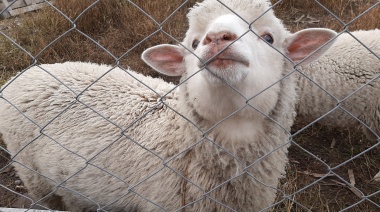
(216,143)
(346,67)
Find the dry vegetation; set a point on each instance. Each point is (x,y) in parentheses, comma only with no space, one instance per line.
(114,24)
(338,15)
(119,27)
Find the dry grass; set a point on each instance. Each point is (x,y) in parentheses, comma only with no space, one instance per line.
(345,12)
(322,192)
(115,24)
(119,26)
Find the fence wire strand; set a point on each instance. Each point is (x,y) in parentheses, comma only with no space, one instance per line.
(164,164)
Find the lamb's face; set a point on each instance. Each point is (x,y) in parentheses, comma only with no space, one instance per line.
(227,50)
(227,59)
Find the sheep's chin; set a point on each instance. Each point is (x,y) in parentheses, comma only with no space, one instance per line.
(222,72)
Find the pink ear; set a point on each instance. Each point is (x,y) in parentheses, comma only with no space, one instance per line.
(301,44)
(166,59)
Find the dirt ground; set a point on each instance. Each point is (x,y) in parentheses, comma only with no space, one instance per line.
(306,174)
(10,179)
(326,191)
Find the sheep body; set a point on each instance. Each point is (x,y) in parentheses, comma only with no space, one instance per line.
(50,97)
(46,154)
(346,67)
(217,143)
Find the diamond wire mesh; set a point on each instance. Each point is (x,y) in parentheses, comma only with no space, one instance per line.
(122,131)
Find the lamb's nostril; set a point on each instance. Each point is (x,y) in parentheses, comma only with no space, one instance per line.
(229,37)
(209,38)
(220,37)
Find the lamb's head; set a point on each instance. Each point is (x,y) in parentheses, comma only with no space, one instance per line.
(232,52)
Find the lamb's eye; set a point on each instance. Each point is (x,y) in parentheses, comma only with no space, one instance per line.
(268,38)
(195,44)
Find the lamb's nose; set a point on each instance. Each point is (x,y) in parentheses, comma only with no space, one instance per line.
(219,38)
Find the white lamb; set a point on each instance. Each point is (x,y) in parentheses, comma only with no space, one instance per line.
(346,67)
(129,142)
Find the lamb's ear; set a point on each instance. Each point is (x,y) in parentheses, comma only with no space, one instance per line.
(301,44)
(166,59)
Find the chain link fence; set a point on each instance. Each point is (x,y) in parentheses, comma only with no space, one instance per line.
(328,170)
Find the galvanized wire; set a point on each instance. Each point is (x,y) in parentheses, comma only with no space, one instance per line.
(165,163)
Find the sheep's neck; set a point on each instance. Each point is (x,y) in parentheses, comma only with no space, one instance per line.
(231,143)
(219,156)
(219,149)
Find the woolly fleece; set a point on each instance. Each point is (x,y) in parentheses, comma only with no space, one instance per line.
(345,68)
(119,145)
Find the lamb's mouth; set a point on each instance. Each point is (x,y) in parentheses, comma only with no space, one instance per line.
(226,62)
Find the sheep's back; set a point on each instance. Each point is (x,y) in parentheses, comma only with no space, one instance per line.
(79,130)
(346,67)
